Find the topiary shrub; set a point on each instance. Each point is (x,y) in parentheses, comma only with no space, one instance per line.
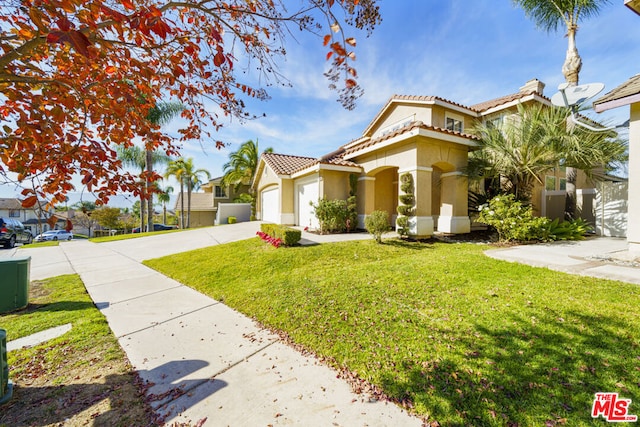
(407,202)
(377,224)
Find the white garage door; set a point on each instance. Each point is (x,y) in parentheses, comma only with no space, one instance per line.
(270,202)
(307,194)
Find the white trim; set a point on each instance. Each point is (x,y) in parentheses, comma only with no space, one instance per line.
(421,226)
(366,178)
(456,139)
(323,166)
(599,107)
(416,169)
(454,173)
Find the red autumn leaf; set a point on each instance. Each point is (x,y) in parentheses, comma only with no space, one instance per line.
(127,4)
(110,70)
(29,202)
(219,59)
(349,83)
(63,23)
(326,40)
(76,39)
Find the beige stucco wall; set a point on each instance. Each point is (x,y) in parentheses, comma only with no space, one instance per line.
(400,112)
(199,218)
(334,185)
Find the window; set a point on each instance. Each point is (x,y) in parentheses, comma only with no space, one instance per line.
(495,122)
(563,184)
(14,213)
(550,183)
(454,123)
(220,191)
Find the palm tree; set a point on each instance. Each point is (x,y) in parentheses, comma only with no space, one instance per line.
(135,156)
(161,114)
(164,197)
(549,15)
(242,166)
(176,169)
(186,173)
(517,154)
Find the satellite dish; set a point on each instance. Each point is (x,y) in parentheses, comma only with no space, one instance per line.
(570,96)
(574,96)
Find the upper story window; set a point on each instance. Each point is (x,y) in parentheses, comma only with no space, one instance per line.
(495,122)
(220,191)
(454,122)
(14,213)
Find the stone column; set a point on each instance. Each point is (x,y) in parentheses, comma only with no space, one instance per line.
(421,224)
(454,217)
(365,198)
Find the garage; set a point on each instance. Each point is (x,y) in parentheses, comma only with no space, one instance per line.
(307,193)
(270,205)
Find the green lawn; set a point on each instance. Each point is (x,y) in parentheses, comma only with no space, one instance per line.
(130,236)
(459,337)
(80,378)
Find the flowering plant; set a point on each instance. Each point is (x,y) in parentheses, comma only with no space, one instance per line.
(264,236)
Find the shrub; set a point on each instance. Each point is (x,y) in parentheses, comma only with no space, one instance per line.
(332,215)
(377,224)
(407,202)
(284,235)
(231,220)
(566,230)
(512,220)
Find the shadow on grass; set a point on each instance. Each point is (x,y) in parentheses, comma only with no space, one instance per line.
(533,372)
(56,306)
(409,244)
(50,405)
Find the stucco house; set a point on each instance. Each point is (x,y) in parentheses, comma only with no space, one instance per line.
(204,204)
(427,136)
(628,94)
(34,219)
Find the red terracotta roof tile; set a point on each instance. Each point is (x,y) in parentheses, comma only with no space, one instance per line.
(486,105)
(629,88)
(407,128)
(284,164)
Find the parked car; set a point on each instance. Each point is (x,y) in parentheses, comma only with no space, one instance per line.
(157,227)
(12,231)
(54,235)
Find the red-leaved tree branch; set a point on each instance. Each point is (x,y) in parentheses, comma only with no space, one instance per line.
(78,77)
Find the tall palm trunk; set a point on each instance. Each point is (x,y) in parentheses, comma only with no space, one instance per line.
(571,70)
(148,184)
(189,203)
(182,202)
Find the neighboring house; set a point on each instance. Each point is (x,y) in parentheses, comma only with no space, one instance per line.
(628,93)
(204,205)
(426,136)
(34,219)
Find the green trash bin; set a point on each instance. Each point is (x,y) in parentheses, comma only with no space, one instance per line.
(6,387)
(14,283)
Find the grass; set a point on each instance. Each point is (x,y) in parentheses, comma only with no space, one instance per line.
(460,338)
(40,244)
(129,236)
(80,378)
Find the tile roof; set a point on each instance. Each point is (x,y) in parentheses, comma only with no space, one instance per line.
(284,164)
(486,105)
(407,128)
(424,98)
(6,203)
(628,88)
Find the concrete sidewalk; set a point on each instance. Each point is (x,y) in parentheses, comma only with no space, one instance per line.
(201,359)
(602,257)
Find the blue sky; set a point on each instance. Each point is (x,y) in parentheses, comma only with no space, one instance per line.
(467,51)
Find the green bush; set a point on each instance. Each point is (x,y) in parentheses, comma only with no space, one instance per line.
(332,215)
(231,220)
(407,201)
(566,230)
(289,236)
(377,224)
(512,220)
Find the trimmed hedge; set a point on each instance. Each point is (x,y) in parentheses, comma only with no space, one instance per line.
(231,220)
(289,236)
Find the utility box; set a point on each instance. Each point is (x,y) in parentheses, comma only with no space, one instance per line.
(14,283)
(6,387)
